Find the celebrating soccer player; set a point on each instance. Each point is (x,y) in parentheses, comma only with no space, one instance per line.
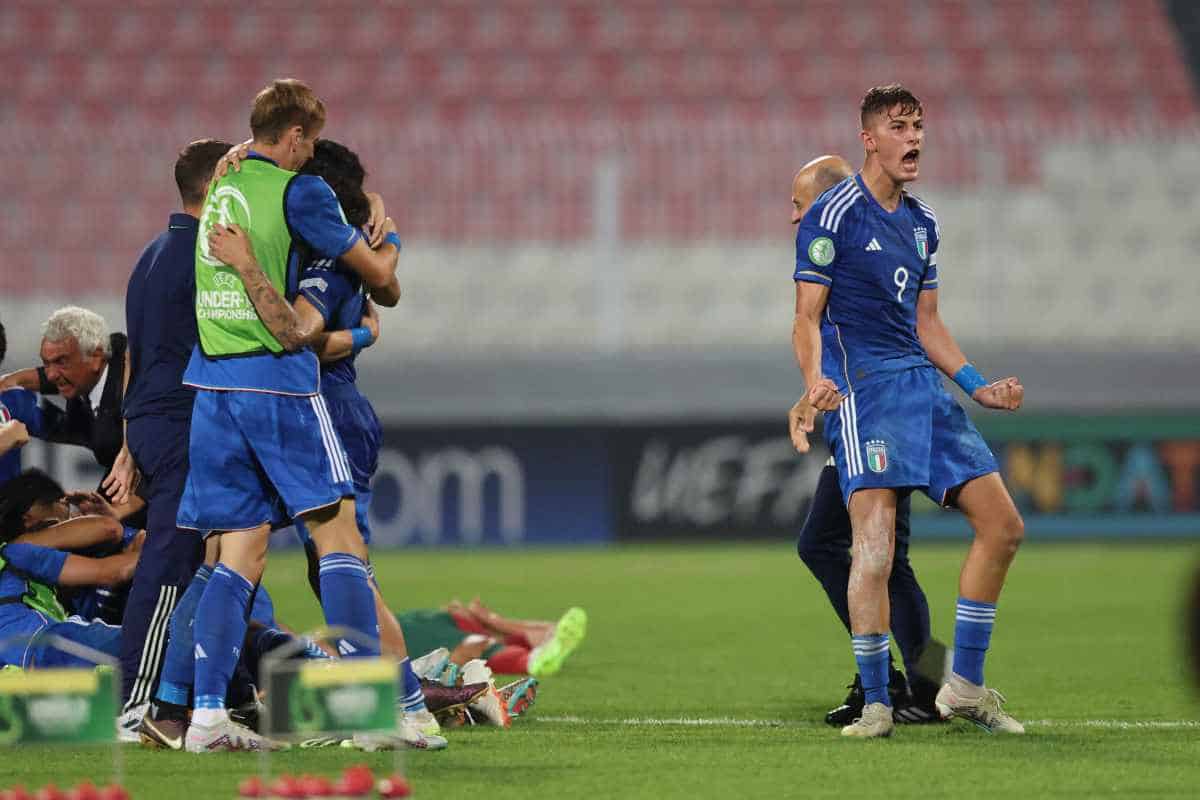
(868,336)
(263,449)
(825,539)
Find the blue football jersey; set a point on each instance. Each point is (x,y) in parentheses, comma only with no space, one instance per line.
(338,293)
(314,217)
(18,404)
(876,263)
(23,563)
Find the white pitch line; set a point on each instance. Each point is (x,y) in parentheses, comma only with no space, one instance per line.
(731,722)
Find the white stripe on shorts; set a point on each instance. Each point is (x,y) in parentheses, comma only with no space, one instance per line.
(338,467)
(850,473)
(854,431)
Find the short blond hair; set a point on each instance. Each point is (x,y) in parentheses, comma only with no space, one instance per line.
(286,103)
(88,328)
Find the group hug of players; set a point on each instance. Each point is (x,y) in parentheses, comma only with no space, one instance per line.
(240,415)
(256,423)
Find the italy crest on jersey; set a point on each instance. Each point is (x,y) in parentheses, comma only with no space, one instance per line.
(922,237)
(877,459)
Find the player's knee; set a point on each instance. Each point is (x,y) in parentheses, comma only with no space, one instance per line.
(1013,531)
(872,557)
(875,567)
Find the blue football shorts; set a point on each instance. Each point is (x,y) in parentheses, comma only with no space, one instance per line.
(94,635)
(361,435)
(260,458)
(904,431)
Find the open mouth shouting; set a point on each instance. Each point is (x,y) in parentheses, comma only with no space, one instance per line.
(909,160)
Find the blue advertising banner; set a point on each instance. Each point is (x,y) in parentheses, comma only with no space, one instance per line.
(468,486)
(471,486)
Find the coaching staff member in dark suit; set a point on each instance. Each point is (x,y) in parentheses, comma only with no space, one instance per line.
(84,364)
(161,320)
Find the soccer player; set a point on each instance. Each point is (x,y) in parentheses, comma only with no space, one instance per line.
(35,502)
(262,450)
(824,542)
(161,325)
(333,299)
(33,564)
(510,646)
(868,336)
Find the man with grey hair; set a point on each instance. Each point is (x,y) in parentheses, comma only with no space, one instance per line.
(77,353)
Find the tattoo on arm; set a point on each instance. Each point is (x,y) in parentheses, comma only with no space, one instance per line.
(275,312)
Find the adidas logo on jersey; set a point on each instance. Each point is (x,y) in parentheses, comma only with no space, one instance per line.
(873,245)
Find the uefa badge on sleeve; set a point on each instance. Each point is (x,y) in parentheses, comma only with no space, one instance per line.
(877,459)
(821,251)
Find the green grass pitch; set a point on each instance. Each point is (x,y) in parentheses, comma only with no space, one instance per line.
(706,672)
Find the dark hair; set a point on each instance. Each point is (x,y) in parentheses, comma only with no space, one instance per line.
(194,168)
(282,105)
(20,494)
(3,343)
(341,169)
(881,100)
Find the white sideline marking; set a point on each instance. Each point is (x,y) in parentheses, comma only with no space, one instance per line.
(731,722)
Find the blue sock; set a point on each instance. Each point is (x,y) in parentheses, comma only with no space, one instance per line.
(179,664)
(412,699)
(348,602)
(972,634)
(263,640)
(871,653)
(219,630)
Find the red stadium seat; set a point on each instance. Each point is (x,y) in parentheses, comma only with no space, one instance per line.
(694,98)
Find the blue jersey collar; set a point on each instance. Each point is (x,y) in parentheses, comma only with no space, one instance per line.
(182,222)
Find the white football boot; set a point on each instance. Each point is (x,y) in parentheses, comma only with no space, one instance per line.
(875,722)
(976,704)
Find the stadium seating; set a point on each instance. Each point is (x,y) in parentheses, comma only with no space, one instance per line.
(485,124)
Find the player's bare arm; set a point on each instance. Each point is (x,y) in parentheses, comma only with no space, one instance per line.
(291,328)
(79,533)
(375,229)
(377,268)
(21,379)
(811,298)
(335,345)
(1006,394)
(388,295)
(231,160)
(110,571)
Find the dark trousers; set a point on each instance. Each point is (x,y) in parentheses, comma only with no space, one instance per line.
(824,546)
(169,557)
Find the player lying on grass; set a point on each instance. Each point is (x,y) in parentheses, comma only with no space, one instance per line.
(45,548)
(53,589)
(34,501)
(870,341)
(509,646)
(37,558)
(824,542)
